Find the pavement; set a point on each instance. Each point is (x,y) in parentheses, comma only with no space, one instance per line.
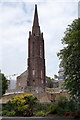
(36,118)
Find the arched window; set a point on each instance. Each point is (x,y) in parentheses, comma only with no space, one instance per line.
(42,81)
(33,82)
(41,73)
(19,84)
(33,49)
(33,72)
(40,51)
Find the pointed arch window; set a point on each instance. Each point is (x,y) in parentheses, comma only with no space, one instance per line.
(33,72)
(33,49)
(40,51)
(41,73)
(42,81)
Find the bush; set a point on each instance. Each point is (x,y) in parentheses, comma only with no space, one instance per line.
(9,106)
(42,107)
(53,108)
(63,102)
(10,114)
(60,111)
(62,106)
(78,111)
(23,105)
(0,113)
(4,112)
(41,113)
(72,105)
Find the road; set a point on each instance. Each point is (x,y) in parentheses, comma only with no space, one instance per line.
(36,118)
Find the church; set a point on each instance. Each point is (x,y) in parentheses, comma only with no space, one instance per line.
(34,79)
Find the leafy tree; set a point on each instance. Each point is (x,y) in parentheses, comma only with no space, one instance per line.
(3,84)
(70,59)
(51,83)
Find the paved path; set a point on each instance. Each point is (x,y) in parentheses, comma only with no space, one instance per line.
(35,118)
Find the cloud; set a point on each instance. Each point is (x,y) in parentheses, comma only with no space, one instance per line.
(16,22)
(79,9)
(54,22)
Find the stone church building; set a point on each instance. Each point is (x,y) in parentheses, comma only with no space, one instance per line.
(34,79)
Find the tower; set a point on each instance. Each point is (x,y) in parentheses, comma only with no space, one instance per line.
(36,57)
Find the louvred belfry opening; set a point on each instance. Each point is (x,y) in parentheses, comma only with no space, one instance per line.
(36,57)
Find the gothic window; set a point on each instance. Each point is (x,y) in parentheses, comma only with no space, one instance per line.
(34,82)
(27,82)
(37,91)
(22,88)
(42,81)
(40,51)
(33,72)
(41,73)
(19,84)
(33,49)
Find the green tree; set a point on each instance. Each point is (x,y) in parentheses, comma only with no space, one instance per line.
(70,59)
(51,83)
(3,84)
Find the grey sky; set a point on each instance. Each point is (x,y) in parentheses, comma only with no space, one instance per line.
(79,9)
(16,22)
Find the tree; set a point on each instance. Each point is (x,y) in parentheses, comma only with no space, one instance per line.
(70,59)
(3,84)
(51,83)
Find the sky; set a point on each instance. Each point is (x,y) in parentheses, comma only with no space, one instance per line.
(16,20)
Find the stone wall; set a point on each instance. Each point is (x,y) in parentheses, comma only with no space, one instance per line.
(21,81)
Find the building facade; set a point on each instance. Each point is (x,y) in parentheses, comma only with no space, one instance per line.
(22,81)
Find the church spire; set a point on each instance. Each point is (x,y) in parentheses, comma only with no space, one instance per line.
(36,22)
(36,28)
(36,58)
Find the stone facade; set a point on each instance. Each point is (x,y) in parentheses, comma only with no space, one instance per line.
(22,81)
(21,84)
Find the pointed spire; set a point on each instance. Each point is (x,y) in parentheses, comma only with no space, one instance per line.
(36,27)
(36,22)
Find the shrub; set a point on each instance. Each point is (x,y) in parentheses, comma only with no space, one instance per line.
(60,111)
(78,111)
(23,105)
(10,114)
(53,108)
(9,106)
(72,105)
(42,107)
(41,113)
(4,112)
(0,113)
(63,102)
